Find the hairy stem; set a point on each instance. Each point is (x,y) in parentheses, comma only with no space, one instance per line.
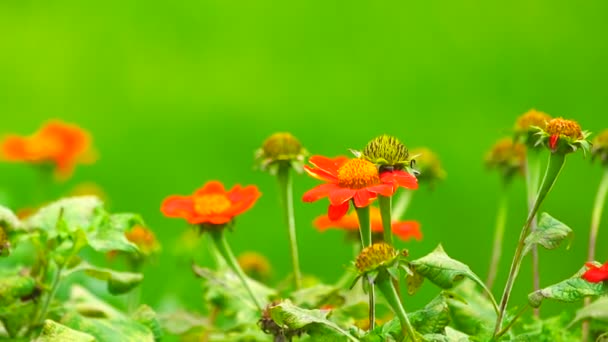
(385,213)
(365,229)
(224,249)
(499,232)
(532,171)
(286,189)
(554,167)
(402,204)
(596,217)
(385,285)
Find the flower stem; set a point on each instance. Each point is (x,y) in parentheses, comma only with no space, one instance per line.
(596,216)
(51,295)
(554,167)
(532,171)
(518,315)
(385,213)
(365,229)
(385,285)
(286,189)
(402,204)
(499,231)
(224,249)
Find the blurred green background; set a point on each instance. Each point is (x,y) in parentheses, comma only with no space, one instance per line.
(178,93)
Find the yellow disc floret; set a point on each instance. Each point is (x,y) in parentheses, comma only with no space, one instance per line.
(565,127)
(358,174)
(210,204)
(374,256)
(532,118)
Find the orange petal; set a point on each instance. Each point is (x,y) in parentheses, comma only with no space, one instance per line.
(178,206)
(407,230)
(212,187)
(329,165)
(320,174)
(246,199)
(319,192)
(341,195)
(382,189)
(400,178)
(363,198)
(336,212)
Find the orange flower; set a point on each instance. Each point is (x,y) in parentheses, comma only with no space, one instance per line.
(356,179)
(596,274)
(405,230)
(144,239)
(63,145)
(211,204)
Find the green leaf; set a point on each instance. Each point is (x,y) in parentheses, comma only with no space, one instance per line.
(454,335)
(470,310)
(75,213)
(55,332)
(13,288)
(570,290)
(109,329)
(597,310)
(433,318)
(86,304)
(316,296)
(180,322)
(108,233)
(8,220)
(146,316)
(290,316)
(118,282)
(446,272)
(549,234)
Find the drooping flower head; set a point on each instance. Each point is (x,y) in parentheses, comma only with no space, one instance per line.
(404,230)
(563,136)
(387,152)
(281,149)
(428,166)
(211,207)
(57,144)
(600,147)
(527,124)
(508,158)
(357,179)
(596,274)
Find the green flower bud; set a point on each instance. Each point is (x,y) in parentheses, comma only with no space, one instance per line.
(387,151)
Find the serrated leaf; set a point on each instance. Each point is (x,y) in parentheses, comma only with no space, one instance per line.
(75,213)
(55,332)
(597,310)
(550,233)
(118,282)
(290,316)
(570,290)
(446,272)
(146,316)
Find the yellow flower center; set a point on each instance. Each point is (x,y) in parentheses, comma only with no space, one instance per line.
(210,204)
(568,128)
(532,118)
(358,174)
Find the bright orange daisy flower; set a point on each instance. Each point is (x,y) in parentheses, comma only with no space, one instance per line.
(404,230)
(211,204)
(356,179)
(63,145)
(596,274)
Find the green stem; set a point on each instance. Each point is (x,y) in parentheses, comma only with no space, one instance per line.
(286,189)
(385,213)
(596,217)
(49,298)
(532,172)
(224,249)
(402,204)
(365,229)
(385,285)
(555,166)
(499,232)
(518,315)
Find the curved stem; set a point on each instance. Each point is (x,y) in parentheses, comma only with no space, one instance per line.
(224,249)
(532,171)
(518,315)
(402,204)
(556,163)
(499,232)
(365,229)
(385,285)
(385,213)
(596,217)
(286,189)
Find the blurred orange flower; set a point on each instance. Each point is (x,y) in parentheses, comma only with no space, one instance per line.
(144,239)
(404,230)
(356,179)
(63,145)
(211,204)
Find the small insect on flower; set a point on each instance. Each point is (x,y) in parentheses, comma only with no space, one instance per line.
(596,274)
(57,144)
